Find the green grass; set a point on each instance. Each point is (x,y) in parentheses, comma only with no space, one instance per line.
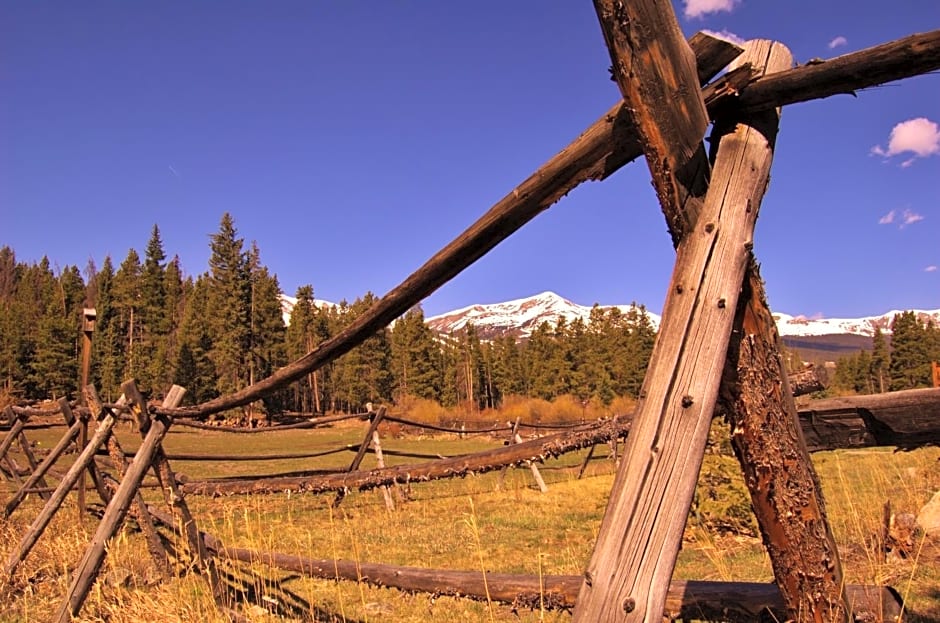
(465,523)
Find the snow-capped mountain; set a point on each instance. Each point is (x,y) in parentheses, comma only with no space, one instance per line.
(801,326)
(518,318)
(522,316)
(288,302)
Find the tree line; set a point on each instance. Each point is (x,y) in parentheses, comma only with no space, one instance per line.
(224,329)
(905,364)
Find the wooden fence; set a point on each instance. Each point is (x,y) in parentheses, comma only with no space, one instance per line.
(717,351)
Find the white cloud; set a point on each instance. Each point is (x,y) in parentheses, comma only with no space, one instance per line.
(903,218)
(698,8)
(919,136)
(840,40)
(727,35)
(931,269)
(909,218)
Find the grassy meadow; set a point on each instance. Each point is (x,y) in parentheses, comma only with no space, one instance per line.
(469,523)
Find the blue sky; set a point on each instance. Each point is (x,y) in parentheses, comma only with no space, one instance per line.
(354,140)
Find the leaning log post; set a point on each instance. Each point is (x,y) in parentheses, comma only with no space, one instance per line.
(58,496)
(363,448)
(31,459)
(96,478)
(516,438)
(587,459)
(502,473)
(171,488)
(138,508)
(90,564)
(17,427)
(380,464)
(41,470)
(640,536)
(785,492)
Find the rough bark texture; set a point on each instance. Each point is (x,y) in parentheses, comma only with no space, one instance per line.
(655,70)
(785,491)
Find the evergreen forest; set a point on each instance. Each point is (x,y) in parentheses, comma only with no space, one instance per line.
(222,330)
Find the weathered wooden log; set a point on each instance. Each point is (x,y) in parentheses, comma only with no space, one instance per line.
(911,56)
(743,602)
(64,442)
(67,414)
(539,481)
(639,539)
(806,382)
(87,570)
(655,70)
(174,498)
(361,453)
(138,508)
(380,463)
(515,454)
(312,423)
(55,501)
(15,429)
(904,419)
(767,438)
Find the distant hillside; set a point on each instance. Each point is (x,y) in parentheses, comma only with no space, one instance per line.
(821,348)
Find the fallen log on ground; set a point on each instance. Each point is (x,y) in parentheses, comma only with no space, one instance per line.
(687,599)
(904,419)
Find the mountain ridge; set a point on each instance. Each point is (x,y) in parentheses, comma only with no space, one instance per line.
(519,317)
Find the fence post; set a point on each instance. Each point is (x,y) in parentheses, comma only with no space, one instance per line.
(138,508)
(380,463)
(363,448)
(147,455)
(58,496)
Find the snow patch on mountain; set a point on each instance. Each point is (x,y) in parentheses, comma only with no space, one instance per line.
(519,317)
(288,302)
(801,326)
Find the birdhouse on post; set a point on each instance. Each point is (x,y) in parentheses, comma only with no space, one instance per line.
(89,314)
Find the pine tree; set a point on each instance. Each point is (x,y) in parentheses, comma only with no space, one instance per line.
(229,307)
(127,285)
(195,369)
(415,358)
(152,318)
(910,357)
(266,334)
(880,361)
(107,357)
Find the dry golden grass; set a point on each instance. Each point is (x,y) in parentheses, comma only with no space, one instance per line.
(468,523)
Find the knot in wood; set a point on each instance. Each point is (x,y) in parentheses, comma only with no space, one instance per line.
(721,303)
(679,288)
(629,605)
(709,228)
(687,401)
